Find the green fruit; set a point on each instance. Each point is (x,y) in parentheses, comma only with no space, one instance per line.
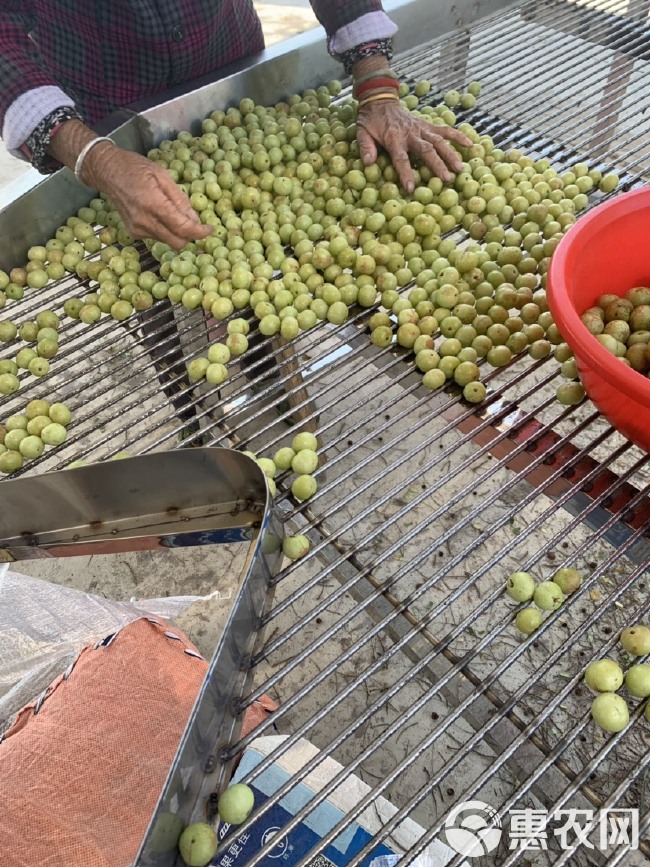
(24,357)
(60,414)
(283,457)
(520,586)
(304,440)
(238,326)
(637,680)
(528,620)
(31,447)
(548,596)
(268,467)
(474,392)
(635,639)
(295,547)
(237,343)
(39,367)
(47,348)
(197,368)
(434,379)
(304,487)
(13,438)
(8,332)
(10,461)
(8,366)
(35,425)
(121,310)
(604,675)
(198,844)
(305,462)
(610,712)
(216,373)
(8,383)
(218,353)
(567,579)
(47,319)
(236,804)
(54,434)
(16,422)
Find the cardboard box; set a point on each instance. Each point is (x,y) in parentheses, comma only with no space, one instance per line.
(290,849)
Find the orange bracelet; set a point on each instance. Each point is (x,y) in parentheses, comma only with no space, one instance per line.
(392,96)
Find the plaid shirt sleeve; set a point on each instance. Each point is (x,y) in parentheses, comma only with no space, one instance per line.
(336,14)
(19,68)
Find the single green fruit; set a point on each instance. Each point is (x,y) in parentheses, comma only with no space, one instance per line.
(567,579)
(60,414)
(636,640)
(304,487)
(31,447)
(268,467)
(236,804)
(198,844)
(305,462)
(604,675)
(283,457)
(520,586)
(609,711)
(54,434)
(528,620)
(548,596)
(295,547)
(304,440)
(637,680)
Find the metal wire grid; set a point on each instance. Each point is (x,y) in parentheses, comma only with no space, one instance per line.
(415,526)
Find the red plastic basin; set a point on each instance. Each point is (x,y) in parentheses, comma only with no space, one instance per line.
(606,251)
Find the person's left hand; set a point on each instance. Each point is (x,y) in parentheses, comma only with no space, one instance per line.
(387,123)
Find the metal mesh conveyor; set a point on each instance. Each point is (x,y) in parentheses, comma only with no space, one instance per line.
(390,646)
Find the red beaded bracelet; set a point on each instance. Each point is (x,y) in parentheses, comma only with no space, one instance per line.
(375,84)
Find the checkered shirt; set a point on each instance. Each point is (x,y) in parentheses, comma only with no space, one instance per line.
(105,54)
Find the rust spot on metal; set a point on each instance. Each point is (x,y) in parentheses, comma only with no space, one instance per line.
(172,510)
(95,525)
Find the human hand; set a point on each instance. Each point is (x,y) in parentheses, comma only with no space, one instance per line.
(387,123)
(150,204)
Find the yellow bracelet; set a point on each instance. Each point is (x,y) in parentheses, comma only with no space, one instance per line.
(375,96)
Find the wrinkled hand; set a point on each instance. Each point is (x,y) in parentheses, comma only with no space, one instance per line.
(389,124)
(150,204)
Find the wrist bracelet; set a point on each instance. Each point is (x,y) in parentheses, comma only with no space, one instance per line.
(375,84)
(83,153)
(392,96)
(387,72)
(367,49)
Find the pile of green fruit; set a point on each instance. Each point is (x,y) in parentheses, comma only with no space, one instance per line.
(25,436)
(301,458)
(304,233)
(622,326)
(547,595)
(605,676)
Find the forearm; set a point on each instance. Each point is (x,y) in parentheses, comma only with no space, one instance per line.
(68,142)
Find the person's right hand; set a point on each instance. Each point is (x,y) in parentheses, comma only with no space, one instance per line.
(150,204)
